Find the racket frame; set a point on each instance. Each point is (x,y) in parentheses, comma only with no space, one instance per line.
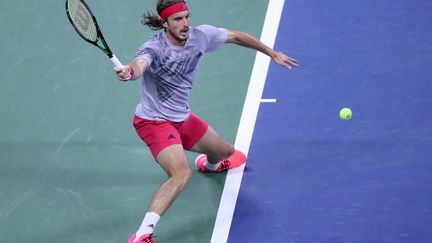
(99,36)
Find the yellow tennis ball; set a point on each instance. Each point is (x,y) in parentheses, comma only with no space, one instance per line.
(345,114)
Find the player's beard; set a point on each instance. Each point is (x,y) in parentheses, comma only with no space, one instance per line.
(181,36)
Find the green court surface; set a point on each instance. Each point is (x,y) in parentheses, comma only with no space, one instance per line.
(72,168)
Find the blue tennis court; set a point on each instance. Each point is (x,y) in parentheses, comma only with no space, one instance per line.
(312,177)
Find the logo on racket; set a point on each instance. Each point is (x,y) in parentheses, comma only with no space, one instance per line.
(82,18)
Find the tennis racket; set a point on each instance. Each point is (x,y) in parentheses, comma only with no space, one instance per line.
(84,22)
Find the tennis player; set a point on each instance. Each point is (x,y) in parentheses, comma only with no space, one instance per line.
(167,65)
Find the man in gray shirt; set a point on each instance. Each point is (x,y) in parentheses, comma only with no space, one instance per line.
(167,65)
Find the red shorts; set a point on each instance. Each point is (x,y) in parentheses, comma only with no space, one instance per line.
(161,134)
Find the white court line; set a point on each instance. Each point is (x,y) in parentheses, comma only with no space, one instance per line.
(268,100)
(247,123)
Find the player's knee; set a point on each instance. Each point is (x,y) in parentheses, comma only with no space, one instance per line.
(182,176)
(226,151)
(230,150)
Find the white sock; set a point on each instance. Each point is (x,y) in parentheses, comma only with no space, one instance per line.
(210,166)
(148,224)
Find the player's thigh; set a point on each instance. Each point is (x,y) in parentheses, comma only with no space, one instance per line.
(173,160)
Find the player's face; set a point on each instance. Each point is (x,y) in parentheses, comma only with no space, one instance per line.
(177,27)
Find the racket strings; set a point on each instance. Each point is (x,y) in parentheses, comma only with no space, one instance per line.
(82,19)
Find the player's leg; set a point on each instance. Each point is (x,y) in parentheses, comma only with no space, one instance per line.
(164,142)
(173,161)
(214,146)
(217,154)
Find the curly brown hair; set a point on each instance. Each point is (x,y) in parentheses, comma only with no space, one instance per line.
(152,20)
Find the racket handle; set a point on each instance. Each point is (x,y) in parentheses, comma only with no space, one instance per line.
(116,61)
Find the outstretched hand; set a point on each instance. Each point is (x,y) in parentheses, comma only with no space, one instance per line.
(284,60)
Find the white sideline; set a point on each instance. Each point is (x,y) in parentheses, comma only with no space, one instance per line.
(247,123)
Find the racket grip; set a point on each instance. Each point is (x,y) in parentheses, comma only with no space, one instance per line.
(116,61)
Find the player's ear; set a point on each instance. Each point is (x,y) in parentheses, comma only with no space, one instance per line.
(165,23)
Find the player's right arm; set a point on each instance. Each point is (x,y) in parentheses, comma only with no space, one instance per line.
(134,70)
(247,40)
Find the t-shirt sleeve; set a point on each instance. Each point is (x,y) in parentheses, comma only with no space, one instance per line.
(216,37)
(145,52)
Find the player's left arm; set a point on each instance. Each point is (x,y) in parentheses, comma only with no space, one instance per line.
(246,40)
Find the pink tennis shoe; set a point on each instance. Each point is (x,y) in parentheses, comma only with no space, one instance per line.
(235,160)
(147,238)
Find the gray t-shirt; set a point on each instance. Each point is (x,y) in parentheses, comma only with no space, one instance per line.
(167,82)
